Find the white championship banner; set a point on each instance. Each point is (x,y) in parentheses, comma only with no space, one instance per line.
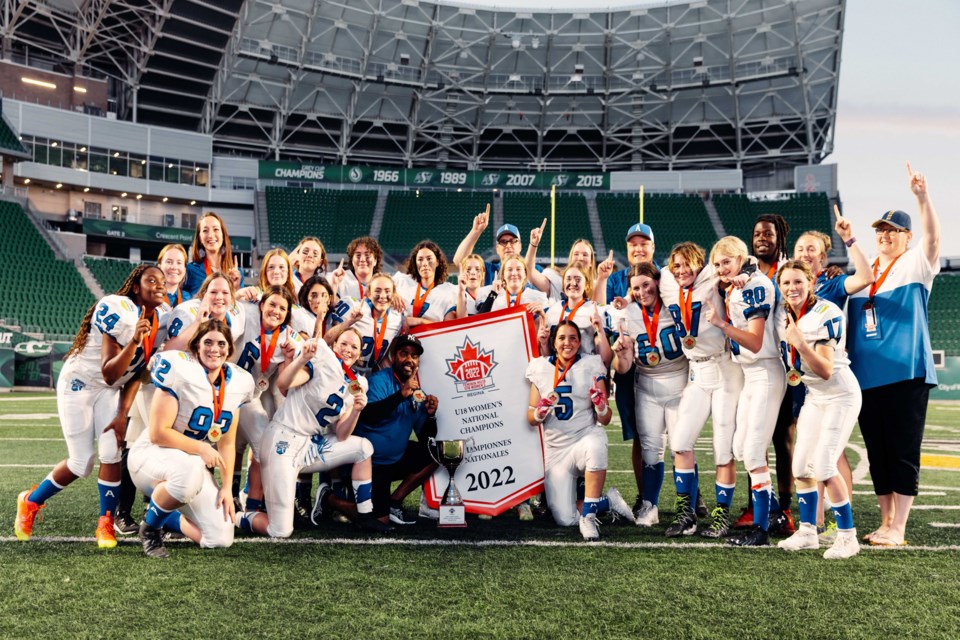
(475,366)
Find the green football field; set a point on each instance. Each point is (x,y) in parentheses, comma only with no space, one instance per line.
(496,579)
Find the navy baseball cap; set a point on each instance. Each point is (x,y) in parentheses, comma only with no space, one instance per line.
(407,340)
(897,219)
(508,228)
(640,229)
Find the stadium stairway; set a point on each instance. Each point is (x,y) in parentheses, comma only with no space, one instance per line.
(714,218)
(378,211)
(263,226)
(596,230)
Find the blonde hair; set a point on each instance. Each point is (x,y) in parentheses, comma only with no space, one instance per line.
(730,246)
(263,271)
(798,265)
(502,274)
(824,239)
(587,282)
(691,252)
(589,268)
(478,258)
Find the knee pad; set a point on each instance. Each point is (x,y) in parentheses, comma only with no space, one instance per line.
(107,448)
(80,468)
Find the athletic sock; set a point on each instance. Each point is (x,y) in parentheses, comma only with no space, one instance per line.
(652,481)
(245,520)
(695,491)
(724,494)
(172,523)
(774,502)
(807,503)
(844,515)
(253,504)
(591,505)
(45,490)
(235,485)
(363,490)
(785,499)
(760,490)
(109,496)
(156,516)
(685,480)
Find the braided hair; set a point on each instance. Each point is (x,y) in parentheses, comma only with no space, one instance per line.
(126,289)
(780,224)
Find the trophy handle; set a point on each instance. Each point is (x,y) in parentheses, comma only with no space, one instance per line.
(431,445)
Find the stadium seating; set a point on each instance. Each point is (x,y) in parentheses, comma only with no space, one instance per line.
(9,140)
(673,218)
(527,210)
(442,216)
(336,217)
(944,309)
(802,211)
(36,289)
(109,273)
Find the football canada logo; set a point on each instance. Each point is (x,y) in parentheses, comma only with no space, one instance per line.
(472,367)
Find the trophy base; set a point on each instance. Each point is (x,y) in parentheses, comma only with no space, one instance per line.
(452,516)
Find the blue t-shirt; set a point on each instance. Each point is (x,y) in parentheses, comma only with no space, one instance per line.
(898,349)
(833,290)
(390,437)
(196,274)
(491,269)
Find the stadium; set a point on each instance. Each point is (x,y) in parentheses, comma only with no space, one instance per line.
(123,122)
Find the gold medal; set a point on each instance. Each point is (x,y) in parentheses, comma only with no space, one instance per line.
(689,342)
(653,357)
(793,377)
(214,434)
(419,396)
(553,396)
(355,388)
(263,384)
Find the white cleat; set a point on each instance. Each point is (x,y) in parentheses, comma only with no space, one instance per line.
(846,546)
(589,527)
(619,506)
(425,510)
(648,514)
(804,538)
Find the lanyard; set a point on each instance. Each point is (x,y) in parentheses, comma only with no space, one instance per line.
(651,325)
(772,273)
(347,371)
(360,284)
(266,353)
(218,395)
(151,337)
(686,309)
(573,311)
(557,378)
(514,303)
(883,276)
(418,300)
(206,266)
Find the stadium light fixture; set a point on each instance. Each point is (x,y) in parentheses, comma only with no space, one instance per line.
(26,181)
(83,149)
(38,83)
(59,185)
(79,89)
(139,196)
(116,154)
(515,43)
(165,198)
(193,202)
(54,144)
(535,42)
(86,189)
(123,195)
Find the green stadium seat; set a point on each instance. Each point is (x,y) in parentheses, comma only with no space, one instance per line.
(802,211)
(336,217)
(674,218)
(408,214)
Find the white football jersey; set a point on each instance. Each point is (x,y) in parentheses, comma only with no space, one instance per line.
(710,340)
(182,376)
(824,323)
(315,406)
(505,299)
(185,313)
(556,283)
(350,287)
(470,301)
(368,363)
(758,299)
(441,299)
(117,317)
(581,318)
(248,349)
(302,321)
(573,413)
(666,341)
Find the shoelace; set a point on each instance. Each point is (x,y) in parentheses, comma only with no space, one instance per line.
(720,519)
(683,506)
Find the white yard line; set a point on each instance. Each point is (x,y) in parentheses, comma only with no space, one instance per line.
(945,525)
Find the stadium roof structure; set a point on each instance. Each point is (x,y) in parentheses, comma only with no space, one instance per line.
(749,84)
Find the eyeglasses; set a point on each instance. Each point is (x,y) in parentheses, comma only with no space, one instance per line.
(508,241)
(889,231)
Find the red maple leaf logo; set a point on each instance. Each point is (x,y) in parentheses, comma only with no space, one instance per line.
(471,363)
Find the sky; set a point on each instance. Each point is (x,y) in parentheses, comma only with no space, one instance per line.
(899,101)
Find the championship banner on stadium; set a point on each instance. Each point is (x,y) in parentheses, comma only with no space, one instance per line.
(475,366)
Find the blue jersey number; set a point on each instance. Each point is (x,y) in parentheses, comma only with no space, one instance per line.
(161,371)
(174,329)
(249,357)
(202,419)
(366,350)
(104,321)
(834,327)
(563,409)
(335,406)
(677,315)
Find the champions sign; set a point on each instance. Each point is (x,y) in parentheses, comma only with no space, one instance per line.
(476,367)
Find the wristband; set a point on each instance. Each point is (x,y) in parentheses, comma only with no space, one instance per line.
(850,242)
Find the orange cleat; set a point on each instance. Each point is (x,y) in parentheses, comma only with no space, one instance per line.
(26,513)
(745,520)
(106,539)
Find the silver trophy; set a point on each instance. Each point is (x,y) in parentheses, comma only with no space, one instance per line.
(449,454)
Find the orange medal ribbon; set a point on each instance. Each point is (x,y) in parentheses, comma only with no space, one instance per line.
(686,309)
(772,273)
(360,284)
(150,338)
(651,325)
(218,396)
(266,353)
(883,276)
(206,266)
(516,303)
(573,311)
(418,300)
(378,333)
(557,378)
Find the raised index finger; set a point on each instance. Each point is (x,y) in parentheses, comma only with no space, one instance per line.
(610,257)
(340,266)
(836,211)
(909,170)
(486,211)
(543,225)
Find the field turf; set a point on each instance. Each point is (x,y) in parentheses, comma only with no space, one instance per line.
(496,579)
